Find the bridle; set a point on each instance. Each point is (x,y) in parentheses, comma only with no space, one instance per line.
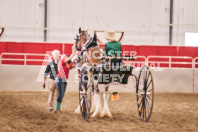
(78,36)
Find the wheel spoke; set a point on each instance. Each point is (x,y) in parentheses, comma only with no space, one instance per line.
(143,106)
(147,76)
(140,90)
(140,96)
(148,103)
(147,111)
(141,102)
(83,113)
(88,104)
(85,109)
(141,83)
(146,82)
(140,105)
(149,97)
(141,110)
(149,84)
(149,90)
(81,98)
(85,94)
(145,93)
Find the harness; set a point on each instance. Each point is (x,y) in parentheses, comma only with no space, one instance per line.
(77,38)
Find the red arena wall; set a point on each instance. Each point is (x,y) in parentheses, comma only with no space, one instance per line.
(141,50)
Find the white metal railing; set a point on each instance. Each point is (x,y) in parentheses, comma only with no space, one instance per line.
(191,61)
(128,62)
(25,55)
(195,63)
(170,62)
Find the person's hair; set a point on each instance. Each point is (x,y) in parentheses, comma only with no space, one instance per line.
(55,53)
(70,60)
(63,56)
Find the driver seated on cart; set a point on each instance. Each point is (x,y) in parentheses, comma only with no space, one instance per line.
(113,48)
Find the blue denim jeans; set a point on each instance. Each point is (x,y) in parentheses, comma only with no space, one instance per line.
(61,86)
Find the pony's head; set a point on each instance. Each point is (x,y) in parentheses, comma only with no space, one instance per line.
(81,39)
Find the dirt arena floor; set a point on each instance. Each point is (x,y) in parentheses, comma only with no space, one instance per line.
(21,111)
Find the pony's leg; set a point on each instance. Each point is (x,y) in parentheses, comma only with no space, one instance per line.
(93,100)
(77,111)
(98,109)
(106,111)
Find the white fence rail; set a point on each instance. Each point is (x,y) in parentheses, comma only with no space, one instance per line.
(138,62)
(142,60)
(195,61)
(25,55)
(170,60)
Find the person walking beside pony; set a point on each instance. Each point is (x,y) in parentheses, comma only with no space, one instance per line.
(64,66)
(52,69)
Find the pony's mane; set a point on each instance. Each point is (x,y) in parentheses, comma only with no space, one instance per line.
(93,42)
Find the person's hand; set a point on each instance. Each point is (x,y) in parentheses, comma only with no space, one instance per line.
(78,52)
(44,85)
(74,50)
(75,60)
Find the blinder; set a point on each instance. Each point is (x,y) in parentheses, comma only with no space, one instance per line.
(77,38)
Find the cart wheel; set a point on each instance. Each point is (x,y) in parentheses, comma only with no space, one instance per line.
(145,93)
(84,94)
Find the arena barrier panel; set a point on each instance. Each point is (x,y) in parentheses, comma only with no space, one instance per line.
(196,80)
(196,75)
(174,80)
(20,78)
(166,78)
(25,78)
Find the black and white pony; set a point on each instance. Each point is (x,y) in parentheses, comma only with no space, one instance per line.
(90,57)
